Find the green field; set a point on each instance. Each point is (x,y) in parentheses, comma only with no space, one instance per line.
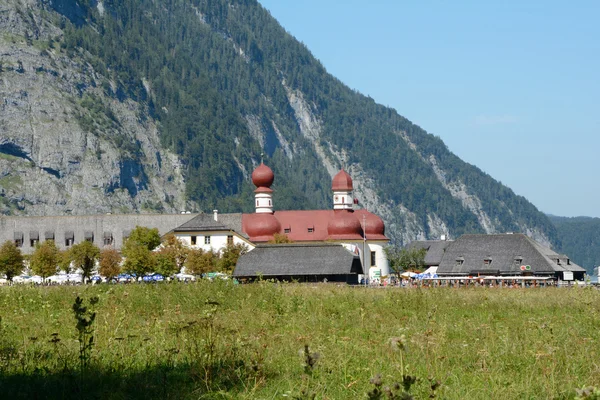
(217,340)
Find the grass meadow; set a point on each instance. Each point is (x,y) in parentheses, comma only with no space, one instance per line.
(216,340)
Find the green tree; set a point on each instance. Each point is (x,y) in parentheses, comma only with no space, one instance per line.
(110,263)
(139,260)
(64,261)
(166,262)
(404,259)
(11,260)
(45,259)
(84,256)
(230,255)
(147,237)
(175,248)
(200,261)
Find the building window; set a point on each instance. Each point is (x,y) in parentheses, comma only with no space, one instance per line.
(460,261)
(193,238)
(229,240)
(487,261)
(34,238)
(89,236)
(518,261)
(18,236)
(372,258)
(287,230)
(69,238)
(311,230)
(206,239)
(108,239)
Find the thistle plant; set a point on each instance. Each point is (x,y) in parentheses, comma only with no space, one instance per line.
(399,390)
(85,317)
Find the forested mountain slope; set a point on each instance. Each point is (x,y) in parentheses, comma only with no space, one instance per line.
(170,104)
(579,238)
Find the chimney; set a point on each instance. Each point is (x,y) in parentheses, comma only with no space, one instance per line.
(216,215)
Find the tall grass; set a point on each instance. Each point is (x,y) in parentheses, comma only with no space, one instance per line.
(217,340)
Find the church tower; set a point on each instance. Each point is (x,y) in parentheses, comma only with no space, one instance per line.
(263,177)
(342,191)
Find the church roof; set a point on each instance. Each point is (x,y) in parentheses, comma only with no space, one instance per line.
(311,225)
(298,260)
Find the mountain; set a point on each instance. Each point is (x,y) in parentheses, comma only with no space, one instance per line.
(579,237)
(143,105)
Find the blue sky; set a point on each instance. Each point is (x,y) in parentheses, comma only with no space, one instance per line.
(512,87)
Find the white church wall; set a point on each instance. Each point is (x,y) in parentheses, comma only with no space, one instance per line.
(381,267)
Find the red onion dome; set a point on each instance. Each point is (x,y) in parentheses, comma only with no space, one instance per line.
(262,227)
(344,224)
(341,182)
(263,176)
(373,225)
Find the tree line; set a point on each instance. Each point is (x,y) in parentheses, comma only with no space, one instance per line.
(144,252)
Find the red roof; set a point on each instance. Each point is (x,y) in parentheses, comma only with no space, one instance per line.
(319,225)
(341,182)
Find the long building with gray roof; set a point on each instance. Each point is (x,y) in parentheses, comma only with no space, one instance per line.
(301,262)
(505,255)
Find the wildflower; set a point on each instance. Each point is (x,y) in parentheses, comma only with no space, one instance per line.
(376,380)
(398,343)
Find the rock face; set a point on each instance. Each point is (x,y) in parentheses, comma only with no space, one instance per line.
(72,143)
(65,146)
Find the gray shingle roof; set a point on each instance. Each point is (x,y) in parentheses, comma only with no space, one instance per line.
(206,222)
(507,253)
(435,250)
(298,260)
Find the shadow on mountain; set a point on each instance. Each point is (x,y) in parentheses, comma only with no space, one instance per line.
(154,382)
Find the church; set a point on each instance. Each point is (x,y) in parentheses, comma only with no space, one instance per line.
(315,233)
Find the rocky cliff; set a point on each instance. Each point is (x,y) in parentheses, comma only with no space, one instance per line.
(49,163)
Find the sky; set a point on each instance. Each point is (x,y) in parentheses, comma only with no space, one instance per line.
(512,87)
